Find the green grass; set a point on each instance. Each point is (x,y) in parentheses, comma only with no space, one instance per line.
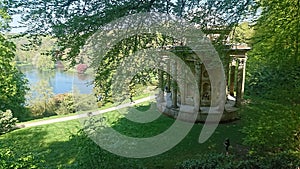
(105,106)
(53,142)
(49,142)
(60,146)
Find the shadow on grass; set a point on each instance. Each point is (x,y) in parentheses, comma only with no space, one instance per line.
(61,146)
(94,157)
(45,143)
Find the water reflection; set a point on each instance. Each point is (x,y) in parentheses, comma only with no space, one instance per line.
(61,81)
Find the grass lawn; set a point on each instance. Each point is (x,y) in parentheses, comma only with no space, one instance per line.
(47,140)
(55,146)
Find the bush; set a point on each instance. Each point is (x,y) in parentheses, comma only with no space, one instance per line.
(40,100)
(84,102)
(281,84)
(208,161)
(7,121)
(11,160)
(281,160)
(275,161)
(74,102)
(48,105)
(64,104)
(42,108)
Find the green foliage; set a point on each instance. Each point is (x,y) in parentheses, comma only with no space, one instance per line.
(64,104)
(13,85)
(38,55)
(242,34)
(5,18)
(281,84)
(276,38)
(43,102)
(12,160)
(213,160)
(74,102)
(73,22)
(273,119)
(273,63)
(271,127)
(84,102)
(281,160)
(114,58)
(7,121)
(221,161)
(44,63)
(40,99)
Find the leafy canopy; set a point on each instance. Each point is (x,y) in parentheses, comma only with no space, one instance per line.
(12,83)
(72,22)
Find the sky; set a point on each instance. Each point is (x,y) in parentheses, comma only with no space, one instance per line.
(15,23)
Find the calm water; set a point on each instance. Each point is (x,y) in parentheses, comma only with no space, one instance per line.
(59,80)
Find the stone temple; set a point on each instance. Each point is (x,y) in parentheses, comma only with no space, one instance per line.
(179,98)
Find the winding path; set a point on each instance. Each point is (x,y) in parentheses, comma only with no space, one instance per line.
(78,116)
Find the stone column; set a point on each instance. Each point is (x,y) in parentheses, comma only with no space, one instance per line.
(198,80)
(168,77)
(168,90)
(227,62)
(232,77)
(240,81)
(183,86)
(161,85)
(174,85)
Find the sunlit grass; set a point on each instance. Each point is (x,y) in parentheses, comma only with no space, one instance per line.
(103,107)
(54,143)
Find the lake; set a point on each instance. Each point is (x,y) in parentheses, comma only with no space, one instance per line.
(60,81)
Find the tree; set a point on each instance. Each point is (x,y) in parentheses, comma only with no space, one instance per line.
(242,34)
(44,63)
(13,85)
(72,22)
(277,32)
(274,75)
(38,56)
(274,59)
(40,99)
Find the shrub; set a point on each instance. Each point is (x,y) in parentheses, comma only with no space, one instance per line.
(279,160)
(7,121)
(73,102)
(85,102)
(208,161)
(64,104)
(42,108)
(12,160)
(281,84)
